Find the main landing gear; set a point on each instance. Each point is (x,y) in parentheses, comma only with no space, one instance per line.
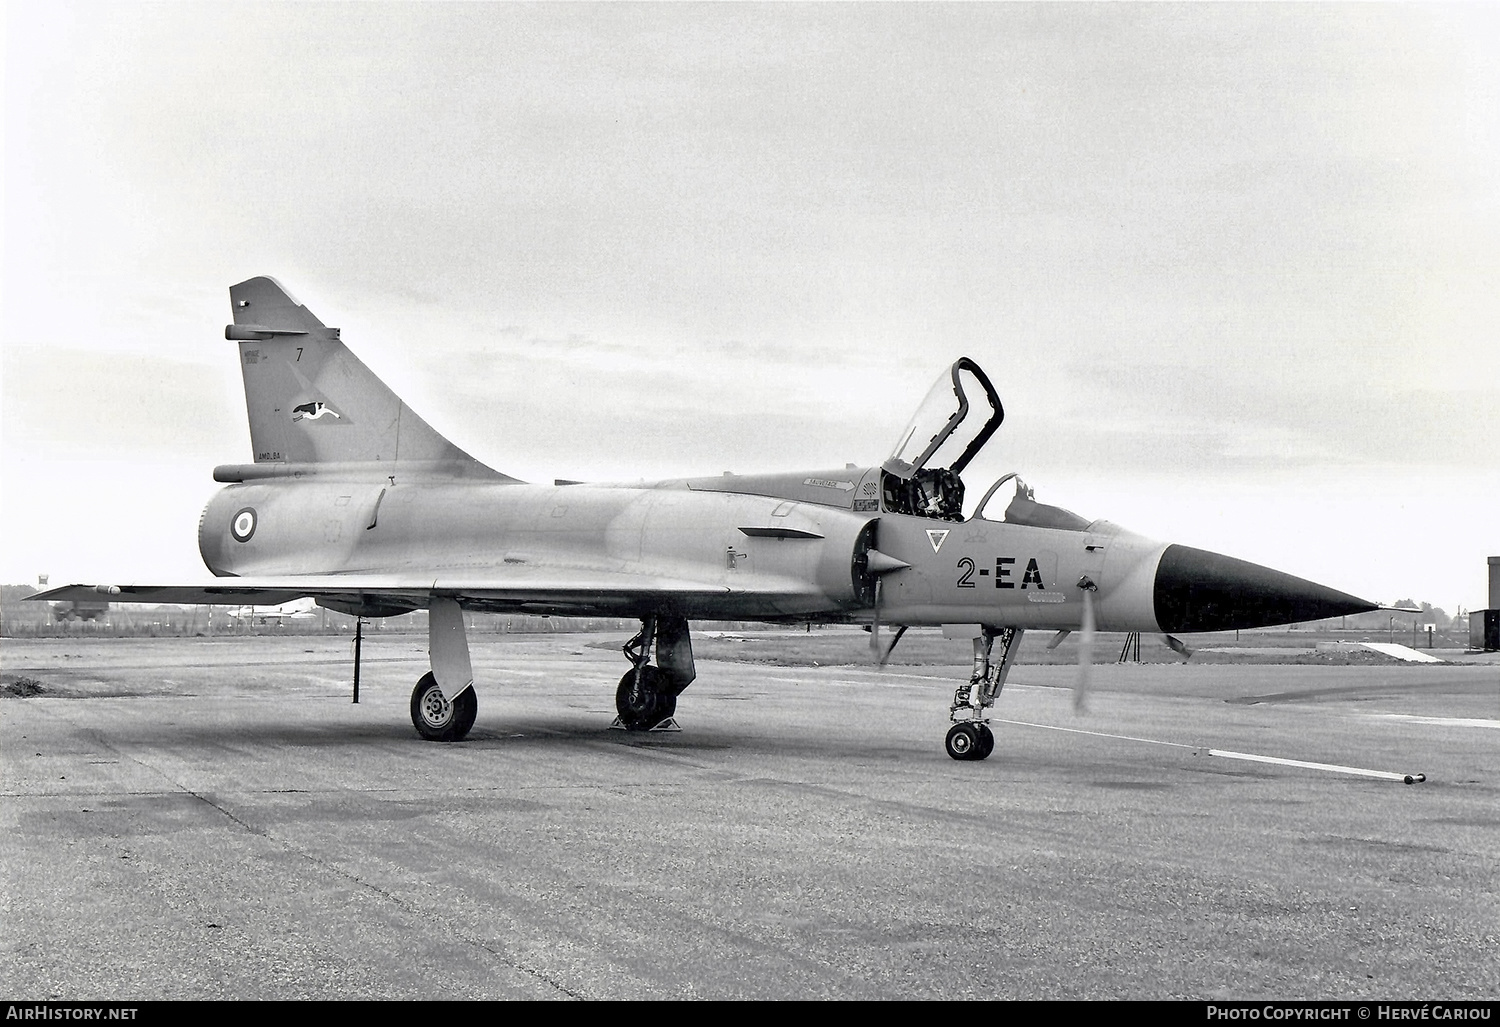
(436,716)
(970,737)
(647,697)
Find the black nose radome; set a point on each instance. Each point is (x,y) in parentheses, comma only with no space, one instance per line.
(1201,591)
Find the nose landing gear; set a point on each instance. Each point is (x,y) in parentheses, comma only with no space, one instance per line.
(970,737)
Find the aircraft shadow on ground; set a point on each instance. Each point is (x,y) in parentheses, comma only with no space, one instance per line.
(531,734)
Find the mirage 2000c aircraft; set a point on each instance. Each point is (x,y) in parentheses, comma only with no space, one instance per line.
(355,501)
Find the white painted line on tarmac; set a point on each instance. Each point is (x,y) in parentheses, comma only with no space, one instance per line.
(1333,768)
(863,677)
(1100,734)
(1411,718)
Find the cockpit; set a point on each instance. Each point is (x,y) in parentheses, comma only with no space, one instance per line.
(922,478)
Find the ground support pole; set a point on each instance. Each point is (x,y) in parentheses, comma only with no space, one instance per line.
(359,635)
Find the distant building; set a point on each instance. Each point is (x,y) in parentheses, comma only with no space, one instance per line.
(1484,625)
(1484,630)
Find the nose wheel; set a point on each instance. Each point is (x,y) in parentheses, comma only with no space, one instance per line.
(970,741)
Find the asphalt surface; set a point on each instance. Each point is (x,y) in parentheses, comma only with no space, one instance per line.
(212,818)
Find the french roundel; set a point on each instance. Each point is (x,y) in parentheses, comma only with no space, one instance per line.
(243,525)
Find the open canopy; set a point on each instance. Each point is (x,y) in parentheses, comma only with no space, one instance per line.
(952,424)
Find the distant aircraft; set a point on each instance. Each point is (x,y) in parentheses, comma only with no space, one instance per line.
(356,502)
(301,612)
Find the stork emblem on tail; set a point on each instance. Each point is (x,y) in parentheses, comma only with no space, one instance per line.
(312,411)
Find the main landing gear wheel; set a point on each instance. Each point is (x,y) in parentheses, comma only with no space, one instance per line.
(436,718)
(642,708)
(969,741)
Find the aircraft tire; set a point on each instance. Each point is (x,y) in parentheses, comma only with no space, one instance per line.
(438,720)
(467,709)
(963,742)
(654,704)
(986,742)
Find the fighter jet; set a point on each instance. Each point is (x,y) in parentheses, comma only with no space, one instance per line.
(354,501)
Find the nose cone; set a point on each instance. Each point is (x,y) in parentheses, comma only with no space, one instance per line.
(1201,591)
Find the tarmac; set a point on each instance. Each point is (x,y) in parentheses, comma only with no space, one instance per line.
(214,819)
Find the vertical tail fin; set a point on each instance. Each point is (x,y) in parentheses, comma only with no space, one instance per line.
(311,401)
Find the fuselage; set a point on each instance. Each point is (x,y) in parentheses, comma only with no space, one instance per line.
(754,555)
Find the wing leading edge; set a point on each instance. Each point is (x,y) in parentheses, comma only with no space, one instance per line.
(549,590)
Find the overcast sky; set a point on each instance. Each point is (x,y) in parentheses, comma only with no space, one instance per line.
(1235,270)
